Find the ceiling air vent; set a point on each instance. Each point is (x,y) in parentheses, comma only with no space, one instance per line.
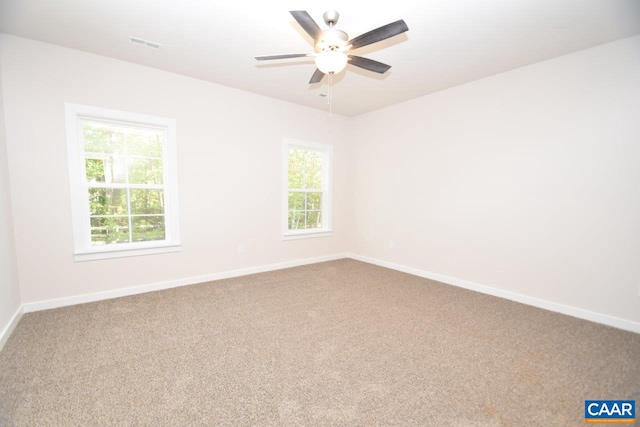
(145,43)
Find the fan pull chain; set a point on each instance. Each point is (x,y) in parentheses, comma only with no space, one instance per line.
(332,20)
(330,94)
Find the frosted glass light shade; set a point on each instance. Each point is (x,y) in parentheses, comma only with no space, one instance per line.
(331,62)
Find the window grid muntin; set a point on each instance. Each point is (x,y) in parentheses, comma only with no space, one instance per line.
(323,189)
(306,189)
(293,211)
(82,120)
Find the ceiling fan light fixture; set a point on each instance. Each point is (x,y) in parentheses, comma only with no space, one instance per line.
(333,47)
(332,40)
(330,62)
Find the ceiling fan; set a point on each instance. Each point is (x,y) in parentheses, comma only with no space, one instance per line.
(332,46)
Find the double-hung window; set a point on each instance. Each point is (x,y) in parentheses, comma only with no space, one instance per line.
(123,177)
(307,189)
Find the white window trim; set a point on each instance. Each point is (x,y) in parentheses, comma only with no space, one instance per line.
(83,251)
(327,151)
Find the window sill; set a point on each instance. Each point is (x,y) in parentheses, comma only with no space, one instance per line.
(101,253)
(307,234)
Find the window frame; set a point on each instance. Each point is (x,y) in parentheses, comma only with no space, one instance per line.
(327,160)
(80,213)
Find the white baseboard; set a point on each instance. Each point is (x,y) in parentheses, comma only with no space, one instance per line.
(616,322)
(604,319)
(117,293)
(6,332)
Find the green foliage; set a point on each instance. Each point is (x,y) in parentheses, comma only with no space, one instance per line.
(145,171)
(117,169)
(147,228)
(108,169)
(108,201)
(147,143)
(106,230)
(123,155)
(147,202)
(102,138)
(305,169)
(107,138)
(313,201)
(305,173)
(115,229)
(304,220)
(296,201)
(304,210)
(95,170)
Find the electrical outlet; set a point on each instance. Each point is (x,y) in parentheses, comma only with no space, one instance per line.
(391,244)
(241,249)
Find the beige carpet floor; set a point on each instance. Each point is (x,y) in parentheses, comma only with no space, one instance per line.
(337,343)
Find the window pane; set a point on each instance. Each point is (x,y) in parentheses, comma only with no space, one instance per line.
(109,230)
(147,143)
(102,138)
(110,169)
(98,231)
(296,201)
(95,170)
(122,164)
(313,170)
(146,201)
(313,201)
(107,201)
(305,169)
(146,228)
(145,171)
(296,220)
(313,220)
(296,168)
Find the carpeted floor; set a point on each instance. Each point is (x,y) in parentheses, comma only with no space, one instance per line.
(337,343)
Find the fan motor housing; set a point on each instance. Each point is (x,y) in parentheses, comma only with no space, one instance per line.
(332,40)
(331,17)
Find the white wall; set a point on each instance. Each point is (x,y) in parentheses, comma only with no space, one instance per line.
(9,290)
(229,148)
(527,181)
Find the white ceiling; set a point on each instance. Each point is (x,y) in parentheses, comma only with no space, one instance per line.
(449,42)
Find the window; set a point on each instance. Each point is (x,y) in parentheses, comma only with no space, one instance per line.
(123,177)
(307,189)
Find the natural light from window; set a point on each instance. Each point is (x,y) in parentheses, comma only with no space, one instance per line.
(125,180)
(122,169)
(307,193)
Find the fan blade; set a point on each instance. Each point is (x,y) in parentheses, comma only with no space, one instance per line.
(316,77)
(369,64)
(289,55)
(307,23)
(379,34)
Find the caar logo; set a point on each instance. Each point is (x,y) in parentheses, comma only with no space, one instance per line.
(610,411)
